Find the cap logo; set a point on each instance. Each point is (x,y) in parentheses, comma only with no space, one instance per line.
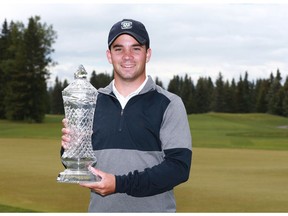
(126,25)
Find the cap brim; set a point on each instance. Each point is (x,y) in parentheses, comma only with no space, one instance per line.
(141,40)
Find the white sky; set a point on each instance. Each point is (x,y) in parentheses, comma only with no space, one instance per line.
(200,39)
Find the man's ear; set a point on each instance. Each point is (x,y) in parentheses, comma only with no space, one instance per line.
(148,55)
(108,54)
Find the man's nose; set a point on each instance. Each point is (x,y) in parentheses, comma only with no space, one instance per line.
(127,54)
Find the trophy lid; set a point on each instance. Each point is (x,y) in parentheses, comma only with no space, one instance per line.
(80,73)
(80,87)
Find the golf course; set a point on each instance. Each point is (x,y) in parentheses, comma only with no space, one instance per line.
(240,164)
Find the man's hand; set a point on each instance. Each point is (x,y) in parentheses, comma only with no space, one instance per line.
(65,139)
(106,186)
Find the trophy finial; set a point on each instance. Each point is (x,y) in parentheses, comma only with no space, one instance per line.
(80,73)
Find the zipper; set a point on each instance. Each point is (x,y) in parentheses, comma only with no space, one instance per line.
(121,113)
(121,120)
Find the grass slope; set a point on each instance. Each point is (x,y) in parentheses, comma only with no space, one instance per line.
(249,131)
(237,166)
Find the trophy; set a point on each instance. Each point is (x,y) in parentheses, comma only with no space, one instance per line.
(79,100)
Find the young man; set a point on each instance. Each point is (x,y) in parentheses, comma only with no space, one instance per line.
(141,136)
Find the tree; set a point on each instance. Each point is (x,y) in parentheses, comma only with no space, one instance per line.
(275,95)
(231,97)
(219,103)
(100,80)
(4,44)
(174,85)
(158,82)
(261,90)
(285,99)
(57,106)
(14,66)
(228,97)
(203,95)
(244,95)
(184,88)
(27,96)
(186,93)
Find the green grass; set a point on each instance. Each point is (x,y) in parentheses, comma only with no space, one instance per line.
(249,131)
(235,180)
(5,208)
(239,165)
(29,168)
(50,129)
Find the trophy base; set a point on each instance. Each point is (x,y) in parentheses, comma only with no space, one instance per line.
(77,171)
(70,176)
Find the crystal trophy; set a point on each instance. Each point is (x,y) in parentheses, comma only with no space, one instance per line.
(79,100)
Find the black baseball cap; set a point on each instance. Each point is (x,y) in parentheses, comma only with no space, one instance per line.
(132,27)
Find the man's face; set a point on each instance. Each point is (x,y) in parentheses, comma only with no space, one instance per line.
(128,57)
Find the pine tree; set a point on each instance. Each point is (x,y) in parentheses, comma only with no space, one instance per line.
(275,95)
(261,90)
(174,85)
(185,89)
(247,94)
(31,48)
(100,80)
(158,82)
(203,95)
(15,66)
(57,106)
(244,95)
(186,93)
(4,44)
(219,102)
(231,97)
(227,97)
(285,99)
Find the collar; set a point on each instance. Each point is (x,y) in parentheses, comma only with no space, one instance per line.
(124,100)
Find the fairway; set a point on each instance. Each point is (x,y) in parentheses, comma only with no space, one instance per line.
(227,174)
(29,168)
(235,180)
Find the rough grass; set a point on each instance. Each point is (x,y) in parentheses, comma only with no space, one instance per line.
(239,165)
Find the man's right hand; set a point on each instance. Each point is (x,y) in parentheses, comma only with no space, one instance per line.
(65,139)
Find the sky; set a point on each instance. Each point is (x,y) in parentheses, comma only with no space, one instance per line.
(198,39)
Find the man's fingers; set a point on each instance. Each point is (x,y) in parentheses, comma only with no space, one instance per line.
(65,139)
(96,172)
(65,122)
(65,131)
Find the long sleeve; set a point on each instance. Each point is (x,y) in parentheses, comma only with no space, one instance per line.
(176,141)
(158,179)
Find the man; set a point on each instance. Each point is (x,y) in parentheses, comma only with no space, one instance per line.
(141,135)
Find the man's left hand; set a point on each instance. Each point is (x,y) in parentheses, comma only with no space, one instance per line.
(105,186)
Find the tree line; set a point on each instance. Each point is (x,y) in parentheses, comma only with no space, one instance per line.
(25,56)
(244,96)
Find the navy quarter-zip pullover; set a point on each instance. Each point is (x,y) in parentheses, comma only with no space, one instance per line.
(147,146)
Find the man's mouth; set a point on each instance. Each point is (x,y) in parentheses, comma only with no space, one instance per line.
(128,65)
